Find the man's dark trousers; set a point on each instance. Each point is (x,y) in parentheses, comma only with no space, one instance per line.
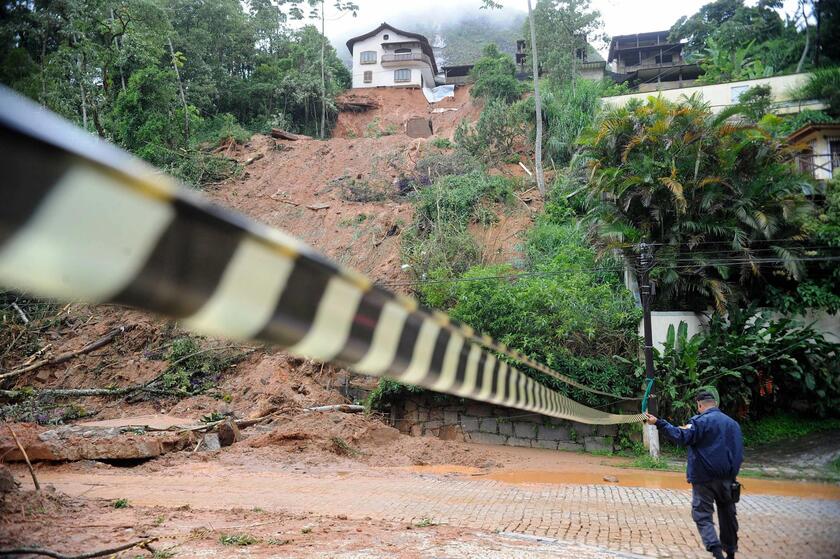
(704,497)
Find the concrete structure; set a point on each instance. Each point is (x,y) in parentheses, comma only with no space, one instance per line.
(651,62)
(589,65)
(451,419)
(389,57)
(820,144)
(723,95)
(457,75)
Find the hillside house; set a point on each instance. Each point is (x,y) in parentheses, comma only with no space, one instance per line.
(390,57)
(651,62)
(820,156)
(588,64)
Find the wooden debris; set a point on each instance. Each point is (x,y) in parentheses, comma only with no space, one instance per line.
(25,457)
(283,135)
(104,340)
(346,408)
(50,553)
(255,158)
(318,206)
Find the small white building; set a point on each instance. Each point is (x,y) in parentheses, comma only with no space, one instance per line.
(389,57)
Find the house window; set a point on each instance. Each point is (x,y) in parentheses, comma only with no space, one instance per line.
(368,77)
(402,51)
(368,57)
(834,152)
(664,59)
(402,75)
(385,37)
(736,91)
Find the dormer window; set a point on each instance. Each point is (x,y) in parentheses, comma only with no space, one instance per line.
(385,37)
(367,57)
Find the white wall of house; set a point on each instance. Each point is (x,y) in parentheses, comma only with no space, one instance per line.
(383,72)
(819,162)
(661,320)
(723,95)
(827,324)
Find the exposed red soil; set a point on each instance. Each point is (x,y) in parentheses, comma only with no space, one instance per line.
(396,106)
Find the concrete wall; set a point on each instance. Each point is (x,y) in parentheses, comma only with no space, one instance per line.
(383,76)
(661,320)
(827,324)
(723,95)
(449,419)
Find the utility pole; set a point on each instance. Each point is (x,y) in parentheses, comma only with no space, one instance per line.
(646,294)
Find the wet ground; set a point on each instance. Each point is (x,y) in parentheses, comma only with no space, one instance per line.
(807,457)
(582,506)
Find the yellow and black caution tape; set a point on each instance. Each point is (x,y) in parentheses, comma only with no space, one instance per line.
(81,220)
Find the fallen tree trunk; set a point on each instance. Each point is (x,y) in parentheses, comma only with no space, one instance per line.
(57,555)
(346,408)
(283,135)
(104,340)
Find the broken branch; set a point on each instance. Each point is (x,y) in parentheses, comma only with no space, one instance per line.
(104,340)
(57,555)
(25,457)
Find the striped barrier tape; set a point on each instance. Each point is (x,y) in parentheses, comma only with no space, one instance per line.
(84,221)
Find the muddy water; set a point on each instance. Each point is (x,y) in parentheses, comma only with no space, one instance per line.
(633,478)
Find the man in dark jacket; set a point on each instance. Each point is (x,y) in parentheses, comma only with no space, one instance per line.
(715,452)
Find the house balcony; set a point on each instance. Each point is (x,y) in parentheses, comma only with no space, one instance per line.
(395,60)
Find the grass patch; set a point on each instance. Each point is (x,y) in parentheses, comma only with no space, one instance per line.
(648,462)
(783,427)
(238,539)
(121,504)
(340,446)
(834,465)
(425,523)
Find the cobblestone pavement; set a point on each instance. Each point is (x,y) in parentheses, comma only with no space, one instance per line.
(626,520)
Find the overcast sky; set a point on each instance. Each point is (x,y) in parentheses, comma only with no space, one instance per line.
(620,16)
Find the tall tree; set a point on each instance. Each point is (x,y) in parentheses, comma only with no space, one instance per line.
(318,11)
(720,201)
(492,4)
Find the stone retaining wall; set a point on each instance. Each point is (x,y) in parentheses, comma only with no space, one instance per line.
(447,419)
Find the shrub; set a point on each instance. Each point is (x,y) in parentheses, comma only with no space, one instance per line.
(567,314)
(496,135)
(439,246)
(757,363)
(495,76)
(436,165)
(823,84)
(221,129)
(442,143)
(374,129)
(193,369)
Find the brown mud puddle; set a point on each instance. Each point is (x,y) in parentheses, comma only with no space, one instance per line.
(651,480)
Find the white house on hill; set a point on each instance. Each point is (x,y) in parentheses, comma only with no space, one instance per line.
(390,57)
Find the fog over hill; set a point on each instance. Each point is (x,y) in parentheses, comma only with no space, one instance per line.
(457,35)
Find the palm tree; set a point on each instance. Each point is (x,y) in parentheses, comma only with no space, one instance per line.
(718,198)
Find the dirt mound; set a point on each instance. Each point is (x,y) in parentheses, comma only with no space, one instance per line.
(393,107)
(315,437)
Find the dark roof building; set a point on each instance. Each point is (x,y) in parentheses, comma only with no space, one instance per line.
(651,62)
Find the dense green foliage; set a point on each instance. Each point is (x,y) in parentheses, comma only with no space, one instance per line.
(733,40)
(720,200)
(564,29)
(824,84)
(438,245)
(497,136)
(564,310)
(160,76)
(759,364)
(820,289)
(494,74)
(783,426)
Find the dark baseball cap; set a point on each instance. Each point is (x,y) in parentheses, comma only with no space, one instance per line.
(703,395)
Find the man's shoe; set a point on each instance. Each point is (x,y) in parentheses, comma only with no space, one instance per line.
(730,555)
(717,553)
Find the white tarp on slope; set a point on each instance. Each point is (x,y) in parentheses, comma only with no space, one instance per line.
(439,93)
